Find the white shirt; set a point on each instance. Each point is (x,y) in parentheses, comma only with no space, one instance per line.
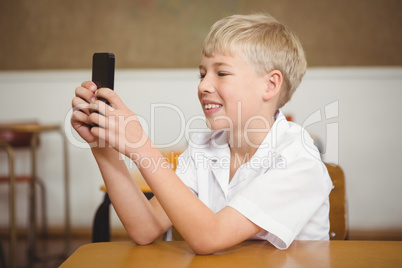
(283,188)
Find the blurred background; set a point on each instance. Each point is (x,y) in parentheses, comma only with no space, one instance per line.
(349,100)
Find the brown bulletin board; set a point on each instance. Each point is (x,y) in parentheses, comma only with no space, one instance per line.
(49,34)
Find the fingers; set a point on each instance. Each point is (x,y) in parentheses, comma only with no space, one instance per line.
(90,113)
(79,104)
(86,103)
(80,117)
(105,129)
(110,96)
(96,119)
(89,94)
(99,132)
(93,125)
(86,98)
(85,94)
(89,85)
(101,107)
(86,91)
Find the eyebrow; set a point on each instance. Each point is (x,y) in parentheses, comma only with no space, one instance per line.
(216,64)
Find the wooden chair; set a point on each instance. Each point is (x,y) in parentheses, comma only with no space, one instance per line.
(10,141)
(337,199)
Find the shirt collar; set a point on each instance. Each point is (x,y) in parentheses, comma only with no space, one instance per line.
(280,126)
(266,154)
(220,145)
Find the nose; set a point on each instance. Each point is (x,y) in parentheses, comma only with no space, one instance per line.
(206,86)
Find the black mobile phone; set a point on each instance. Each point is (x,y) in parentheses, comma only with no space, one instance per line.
(103,70)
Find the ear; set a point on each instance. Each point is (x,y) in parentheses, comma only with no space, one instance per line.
(274,82)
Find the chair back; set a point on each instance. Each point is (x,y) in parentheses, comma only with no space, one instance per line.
(337,201)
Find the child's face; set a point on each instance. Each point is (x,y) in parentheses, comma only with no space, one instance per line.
(230,92)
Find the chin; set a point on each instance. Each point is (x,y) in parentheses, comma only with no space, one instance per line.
(219,126)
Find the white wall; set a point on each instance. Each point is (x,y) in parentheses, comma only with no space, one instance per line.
(359,108)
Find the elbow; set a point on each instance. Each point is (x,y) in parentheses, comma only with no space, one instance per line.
(204,247)
(206,241)
(142,239)
(203,251)
(143,242)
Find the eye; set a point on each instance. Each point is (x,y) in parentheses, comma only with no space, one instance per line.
(201,76)
(222,74)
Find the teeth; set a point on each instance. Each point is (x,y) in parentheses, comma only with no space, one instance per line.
(211,106)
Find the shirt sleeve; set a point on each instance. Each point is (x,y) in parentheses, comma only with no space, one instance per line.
(283,200)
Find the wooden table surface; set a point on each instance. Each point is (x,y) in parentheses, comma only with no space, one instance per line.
(247,254)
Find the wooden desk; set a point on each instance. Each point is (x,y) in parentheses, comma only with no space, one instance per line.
(333,253)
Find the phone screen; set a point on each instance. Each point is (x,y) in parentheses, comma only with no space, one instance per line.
(103,70)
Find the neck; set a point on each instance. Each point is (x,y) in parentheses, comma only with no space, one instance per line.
(245,140)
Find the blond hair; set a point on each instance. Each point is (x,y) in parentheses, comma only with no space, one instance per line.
(265,42)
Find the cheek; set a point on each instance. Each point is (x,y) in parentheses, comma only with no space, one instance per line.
(199,97)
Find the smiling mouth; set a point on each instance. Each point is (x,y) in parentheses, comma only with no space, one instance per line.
(211,106)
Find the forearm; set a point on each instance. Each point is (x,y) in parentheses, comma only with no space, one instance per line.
(143,222)
(198,225)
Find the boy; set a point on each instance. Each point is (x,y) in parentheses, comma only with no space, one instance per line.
(252,177)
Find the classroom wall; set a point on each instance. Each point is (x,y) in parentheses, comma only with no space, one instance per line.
(355,112)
